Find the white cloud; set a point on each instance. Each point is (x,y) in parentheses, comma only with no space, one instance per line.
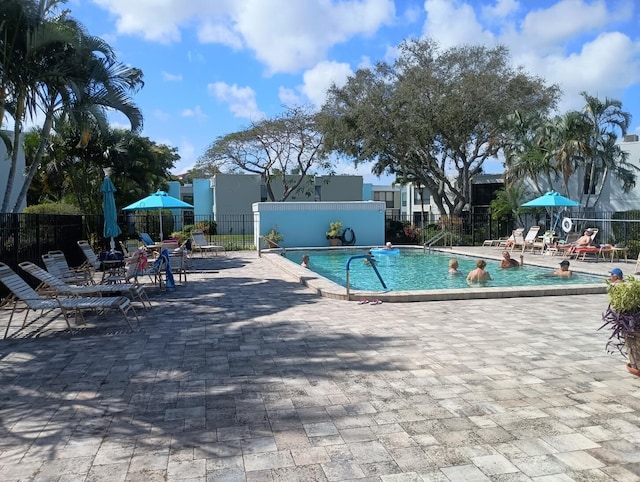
(171,77)
(161,115)
(502,9)
(196,113)
(285,35)
(451,25)
(289,97)
(318,80)
(241,100)
(187,160)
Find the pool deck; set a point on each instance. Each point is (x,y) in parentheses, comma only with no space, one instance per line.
(327,288)
(245,374)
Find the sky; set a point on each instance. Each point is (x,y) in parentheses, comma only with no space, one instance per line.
(211,67)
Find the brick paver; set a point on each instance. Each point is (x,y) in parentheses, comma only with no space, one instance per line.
(244,374)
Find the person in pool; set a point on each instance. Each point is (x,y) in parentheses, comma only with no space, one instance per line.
(388,245)
(563,270)
(453,266)
(479,274)
(305,261)
(508,262)
(616,276)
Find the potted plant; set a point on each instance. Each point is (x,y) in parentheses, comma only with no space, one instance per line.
(274,238)
(333,235)
(622,317)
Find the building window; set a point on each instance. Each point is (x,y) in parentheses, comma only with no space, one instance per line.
(318,193)
(386,196)
(416,196)
(263,193)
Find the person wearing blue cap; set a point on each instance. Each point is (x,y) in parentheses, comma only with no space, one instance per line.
(616,276)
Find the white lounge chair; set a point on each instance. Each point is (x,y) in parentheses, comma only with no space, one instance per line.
(56,262)
(24,293)
(48,280)
(200,243)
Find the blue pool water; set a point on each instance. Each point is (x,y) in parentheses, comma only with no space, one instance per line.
(416,270)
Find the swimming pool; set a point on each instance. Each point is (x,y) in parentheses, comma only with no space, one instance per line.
(416,275)
(418,270)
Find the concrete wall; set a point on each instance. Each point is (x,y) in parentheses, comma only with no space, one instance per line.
(5,165)
(306,224)
(339,188)
(234,193)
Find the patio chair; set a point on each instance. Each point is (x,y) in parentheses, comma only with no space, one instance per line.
(529,239)
(506,243)
(200,243)
(49,281)
(68,306)
(56,263)
(109,267)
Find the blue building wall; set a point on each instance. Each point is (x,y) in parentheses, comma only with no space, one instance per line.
(305,224)
(367,192)
(202,197)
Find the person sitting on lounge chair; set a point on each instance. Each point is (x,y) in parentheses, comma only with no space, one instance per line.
(585,240)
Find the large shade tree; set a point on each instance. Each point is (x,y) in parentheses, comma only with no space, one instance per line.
(284,150)
(52,67)
(433,117)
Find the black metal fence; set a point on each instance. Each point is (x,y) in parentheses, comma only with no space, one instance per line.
(26,237)
(472,228)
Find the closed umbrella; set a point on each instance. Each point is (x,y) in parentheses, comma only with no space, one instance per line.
(111,228)
(158,200)
(551,199)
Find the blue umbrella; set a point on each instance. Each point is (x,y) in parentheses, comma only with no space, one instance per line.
(111,228)
(158,200)
(551,199)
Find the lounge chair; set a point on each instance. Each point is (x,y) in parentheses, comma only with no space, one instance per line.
(200,243)
(24,293)
(530,238)
(56,262)
(109,267)
(506,243)
(48,280)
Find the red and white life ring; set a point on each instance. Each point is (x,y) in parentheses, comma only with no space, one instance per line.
(567,224)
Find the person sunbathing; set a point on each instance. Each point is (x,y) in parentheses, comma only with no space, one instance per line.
(584,240)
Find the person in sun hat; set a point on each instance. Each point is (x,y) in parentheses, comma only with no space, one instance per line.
(388,245)
(616,276)
(564,269)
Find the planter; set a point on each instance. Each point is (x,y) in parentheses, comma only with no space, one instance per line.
(632,344)
(272,244)
(334,241)
(632,370)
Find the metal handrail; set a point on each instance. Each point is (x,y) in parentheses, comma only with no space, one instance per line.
(438,237)
(371,263)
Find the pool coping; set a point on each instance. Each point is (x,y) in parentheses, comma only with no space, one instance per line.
(327,288)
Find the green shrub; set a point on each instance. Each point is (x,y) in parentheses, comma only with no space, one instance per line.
(207,227)
(53,208)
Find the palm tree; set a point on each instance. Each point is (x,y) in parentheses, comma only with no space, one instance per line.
(605,119)
(74,77)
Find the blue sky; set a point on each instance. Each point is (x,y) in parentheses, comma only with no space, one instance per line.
(212,66)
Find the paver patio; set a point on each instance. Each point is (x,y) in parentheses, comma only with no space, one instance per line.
(244,374)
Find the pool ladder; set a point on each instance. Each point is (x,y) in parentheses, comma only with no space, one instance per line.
(372,263)
(438,237)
